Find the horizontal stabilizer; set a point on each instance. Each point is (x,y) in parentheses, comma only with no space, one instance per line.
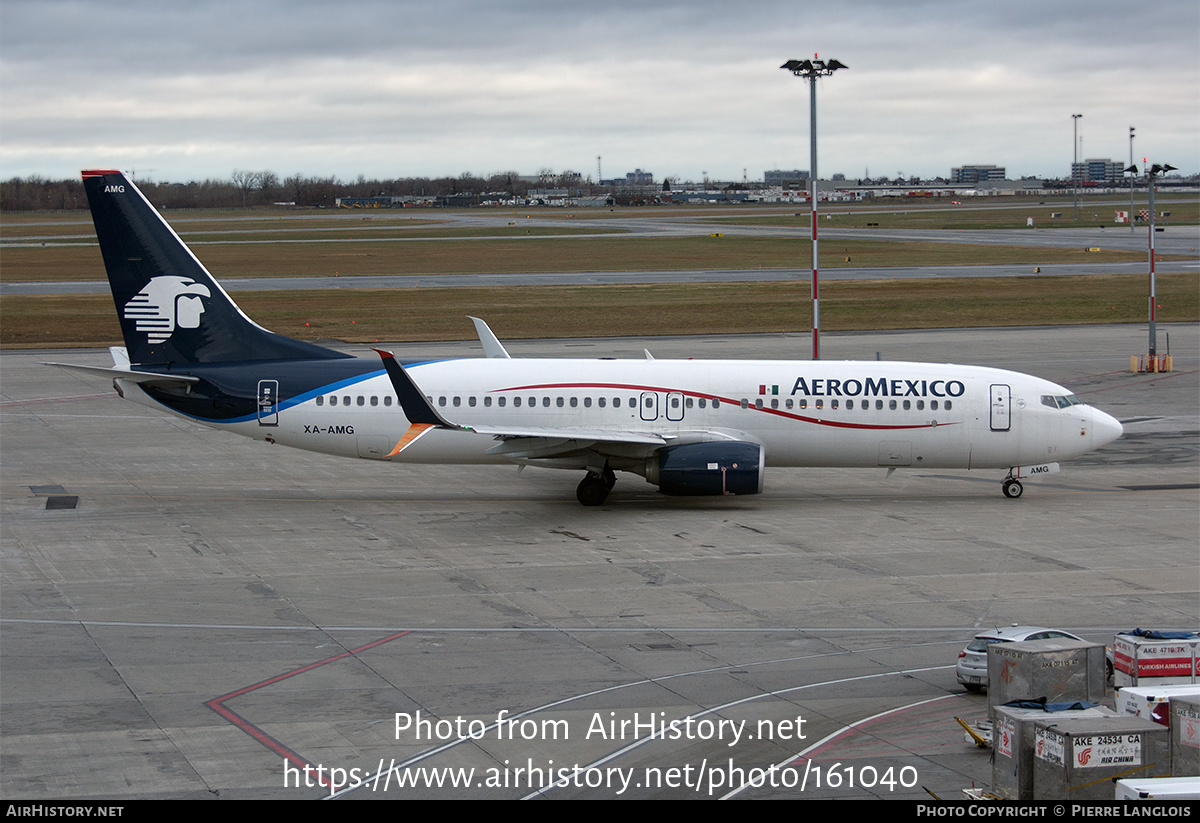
(146,378)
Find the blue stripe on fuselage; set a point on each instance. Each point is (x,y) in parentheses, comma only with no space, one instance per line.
(233,387)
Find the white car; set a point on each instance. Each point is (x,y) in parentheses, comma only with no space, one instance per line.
(971,669)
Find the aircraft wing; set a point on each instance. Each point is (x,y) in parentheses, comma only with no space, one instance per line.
(526,442)
(648,438)
(532,444)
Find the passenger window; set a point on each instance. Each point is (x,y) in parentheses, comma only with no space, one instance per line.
(758,403)
(387,400)
(716,403)
(687,404)
(600,401)
(546,402)
(471,401)
(920,405)
(833,404)
(948,405)
(907,405)
(703,403)
(345,400)
(745,403)
(320,400)
(820,404)
(457,401)
(362,401)
(774,402)
(788,403)
(878,405)
(574,402)
(804,402)
(559,402)
(500,401)
(442,400)
(374,400)
(587,402)
(516,402)
(892,405)
(933,405)
(487,402)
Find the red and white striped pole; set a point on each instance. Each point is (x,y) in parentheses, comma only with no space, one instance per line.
(810,70)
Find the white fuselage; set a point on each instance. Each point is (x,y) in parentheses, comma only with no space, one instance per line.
(804,413)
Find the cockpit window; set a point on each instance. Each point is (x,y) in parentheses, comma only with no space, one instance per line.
(1055,401)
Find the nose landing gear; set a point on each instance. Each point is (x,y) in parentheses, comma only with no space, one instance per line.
(1012,487)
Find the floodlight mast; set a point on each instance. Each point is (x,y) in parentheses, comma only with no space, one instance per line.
(1075,170)
(1131,179)
(810,70)
(1152,173)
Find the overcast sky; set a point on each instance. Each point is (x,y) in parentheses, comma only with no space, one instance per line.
(385,88)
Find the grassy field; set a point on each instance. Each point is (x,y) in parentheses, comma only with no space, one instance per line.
(982,213)
(349,244)
(281,258)
(218,233)
(370,315)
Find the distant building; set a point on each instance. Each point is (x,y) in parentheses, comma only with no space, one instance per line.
(1097,171)
(780,178)
(970,175)
(549,197)
(637,177)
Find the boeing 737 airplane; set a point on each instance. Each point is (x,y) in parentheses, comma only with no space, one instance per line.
(690,427)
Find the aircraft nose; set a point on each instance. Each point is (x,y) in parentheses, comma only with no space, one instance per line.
(1105,428)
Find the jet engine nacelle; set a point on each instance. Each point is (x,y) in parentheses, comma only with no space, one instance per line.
(731,467)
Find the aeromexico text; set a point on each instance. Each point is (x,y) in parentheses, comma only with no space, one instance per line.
(875,387)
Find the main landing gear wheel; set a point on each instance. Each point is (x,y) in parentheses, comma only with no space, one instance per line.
(593,489)
(1013,488)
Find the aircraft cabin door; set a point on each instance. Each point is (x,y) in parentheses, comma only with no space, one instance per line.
(649,405)
(1001,414)
(675,406)
(268,402)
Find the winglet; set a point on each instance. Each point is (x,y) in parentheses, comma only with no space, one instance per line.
(416,408)
(421,415)
(492,347)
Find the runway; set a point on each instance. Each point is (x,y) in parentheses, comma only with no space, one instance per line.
(186,614)
(1177,241)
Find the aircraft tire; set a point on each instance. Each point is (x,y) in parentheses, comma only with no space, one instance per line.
(592,490)
(1013,489)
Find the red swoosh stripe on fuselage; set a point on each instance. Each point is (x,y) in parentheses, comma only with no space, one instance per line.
(779,412)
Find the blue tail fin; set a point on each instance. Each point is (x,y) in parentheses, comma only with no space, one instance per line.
(171,309)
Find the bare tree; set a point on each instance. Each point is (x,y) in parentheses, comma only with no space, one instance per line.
(246,181)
